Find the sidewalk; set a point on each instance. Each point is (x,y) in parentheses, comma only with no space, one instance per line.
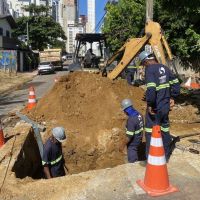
(10,83)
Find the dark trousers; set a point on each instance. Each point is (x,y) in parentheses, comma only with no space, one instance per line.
(130,75)
(132,148)
(161,118)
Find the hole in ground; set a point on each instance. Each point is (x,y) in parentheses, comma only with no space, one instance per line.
(78,157)
(28,162)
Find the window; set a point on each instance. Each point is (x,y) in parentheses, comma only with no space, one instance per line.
(7,34)
(1,31)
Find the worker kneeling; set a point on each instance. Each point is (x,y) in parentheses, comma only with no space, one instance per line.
(134,130)
(53,160)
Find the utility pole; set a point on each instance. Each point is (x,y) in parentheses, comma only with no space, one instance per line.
(149,10)
(27,32)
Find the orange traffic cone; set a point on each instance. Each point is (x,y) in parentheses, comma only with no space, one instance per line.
(31,98)
(156,181)
(2,140)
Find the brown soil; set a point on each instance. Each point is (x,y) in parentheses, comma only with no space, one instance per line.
(88,106)
(13,81)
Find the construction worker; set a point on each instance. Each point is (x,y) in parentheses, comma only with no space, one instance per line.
(90,58)
(162,88)
(134,130)
(131,72)
(53,161)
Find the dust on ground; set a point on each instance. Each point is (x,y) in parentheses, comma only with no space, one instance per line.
(13,81)
(88,106)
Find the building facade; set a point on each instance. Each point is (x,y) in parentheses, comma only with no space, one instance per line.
(4,7)
(73,29)
(91,16)
(73,25)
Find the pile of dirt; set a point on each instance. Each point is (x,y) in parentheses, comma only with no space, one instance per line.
(88,106)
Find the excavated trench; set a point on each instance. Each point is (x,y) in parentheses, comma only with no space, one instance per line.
(28,162)
(88,107)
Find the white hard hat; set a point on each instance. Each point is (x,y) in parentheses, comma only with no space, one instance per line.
(144,55)
(59,134)
(126,103)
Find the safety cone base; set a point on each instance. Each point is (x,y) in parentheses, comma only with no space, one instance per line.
(155,193)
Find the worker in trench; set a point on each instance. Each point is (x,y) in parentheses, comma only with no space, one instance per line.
(53,161)
(134,130)
(162,88)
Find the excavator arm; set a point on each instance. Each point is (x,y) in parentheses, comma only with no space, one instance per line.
(131,48)
(154,37)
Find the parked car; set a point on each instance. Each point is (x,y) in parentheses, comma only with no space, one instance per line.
(45,68)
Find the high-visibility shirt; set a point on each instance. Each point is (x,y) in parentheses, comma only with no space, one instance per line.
(134,125)
(53,157)
(161,86)
(131,67)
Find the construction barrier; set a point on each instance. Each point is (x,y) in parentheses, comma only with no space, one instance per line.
(156,181)
(192,84)
(31,99)
(2,140)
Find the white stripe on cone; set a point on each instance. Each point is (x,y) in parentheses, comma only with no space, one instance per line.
(156,160)
(31,93)
(156,142)
(32,101)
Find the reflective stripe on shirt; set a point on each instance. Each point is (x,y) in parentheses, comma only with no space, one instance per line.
(134,132)
(131,67)
(53,162)
(174,81)
(151,84)
(163,86)
(164,129)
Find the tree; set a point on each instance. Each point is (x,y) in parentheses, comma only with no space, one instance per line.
(123,20)
(37,10)
(180,20)
(42,30)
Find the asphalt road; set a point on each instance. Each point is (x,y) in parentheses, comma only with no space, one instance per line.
(16,100)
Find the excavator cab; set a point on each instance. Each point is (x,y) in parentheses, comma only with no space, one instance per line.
(89,53)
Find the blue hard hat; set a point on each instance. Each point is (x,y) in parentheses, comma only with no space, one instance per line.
(59,134)
(144,55)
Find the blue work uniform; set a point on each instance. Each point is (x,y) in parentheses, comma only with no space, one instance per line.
(53,157)
(134,130)
(131,72)
(161,86)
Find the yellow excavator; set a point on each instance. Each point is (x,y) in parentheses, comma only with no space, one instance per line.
(153,36)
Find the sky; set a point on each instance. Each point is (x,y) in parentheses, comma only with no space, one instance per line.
(100,4)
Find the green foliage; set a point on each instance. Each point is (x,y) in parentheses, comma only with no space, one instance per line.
(124,20)
(43,30)
(180,20)
(57,44)
(37,10)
